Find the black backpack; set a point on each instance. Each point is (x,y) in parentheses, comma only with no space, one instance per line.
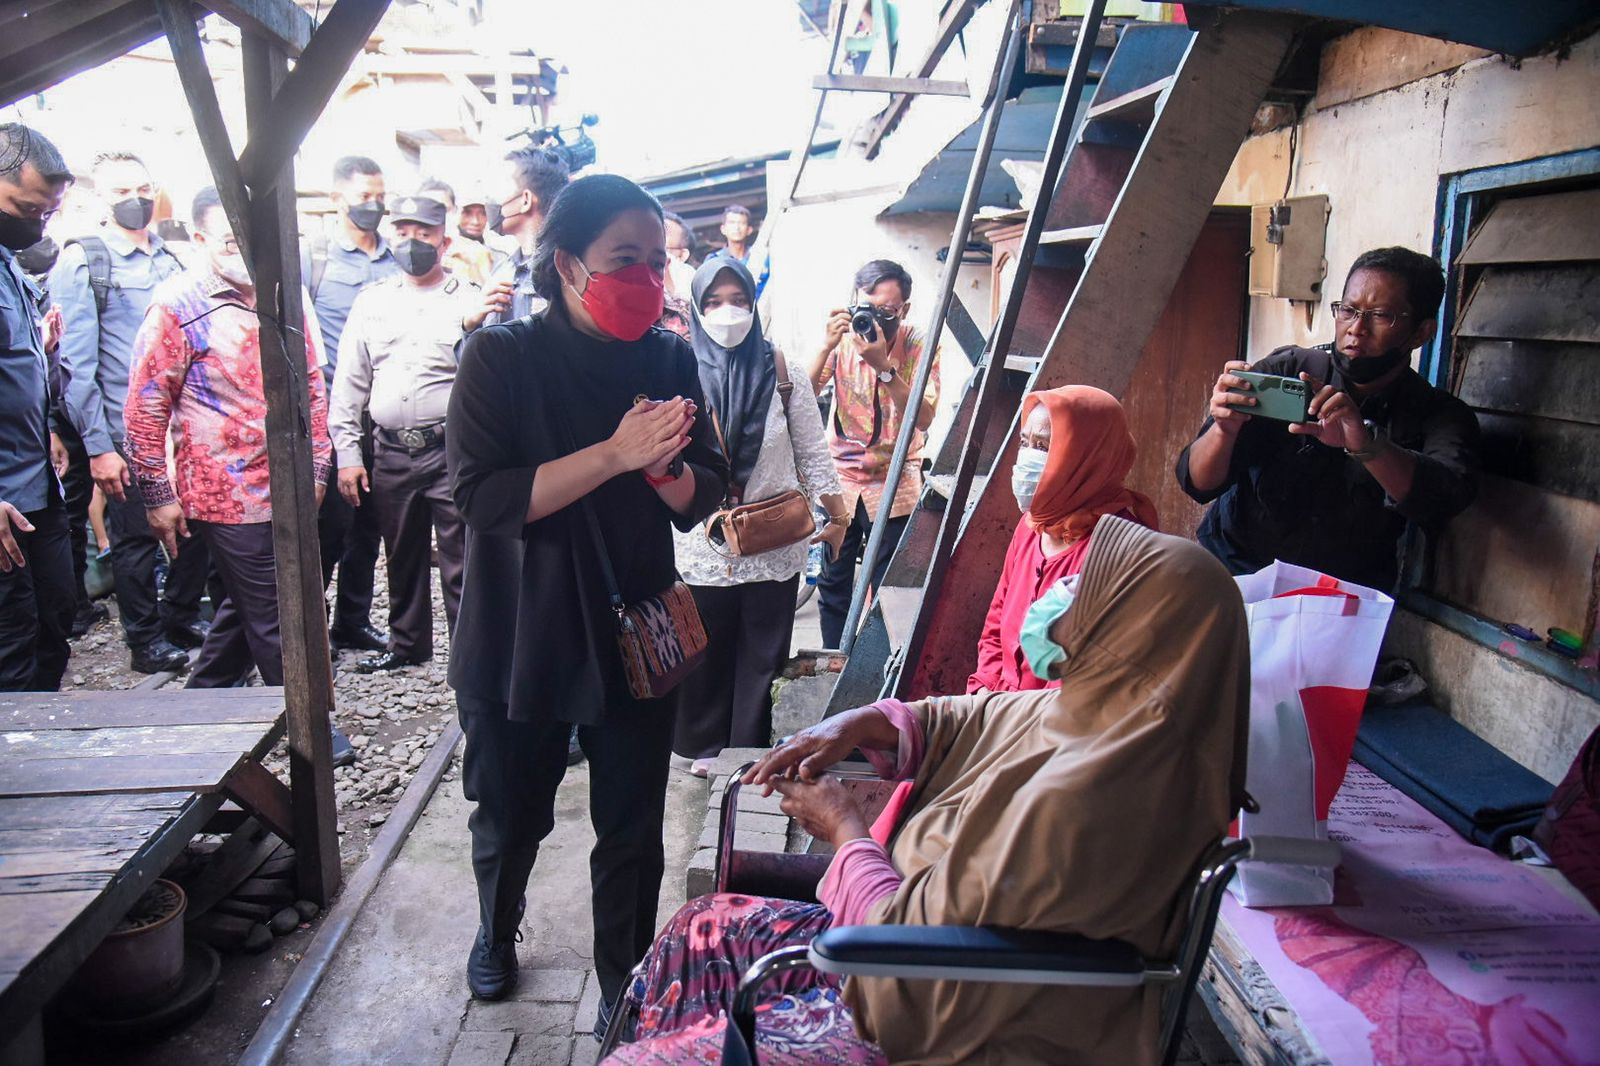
(98,258)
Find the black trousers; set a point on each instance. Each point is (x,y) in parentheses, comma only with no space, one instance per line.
(135,551)
(78,488)
(839,576)
(727,703)
(244,631)
(511,770)
(36,604)
(411,491)
(349,538)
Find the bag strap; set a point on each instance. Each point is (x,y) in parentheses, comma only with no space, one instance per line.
(97,257)
(317,260)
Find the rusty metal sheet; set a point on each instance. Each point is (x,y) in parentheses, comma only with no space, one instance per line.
(1530,378)
(1554,228)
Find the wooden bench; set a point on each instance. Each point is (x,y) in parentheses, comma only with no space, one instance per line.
(99,793)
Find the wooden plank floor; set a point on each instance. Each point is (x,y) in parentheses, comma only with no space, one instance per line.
(99,792)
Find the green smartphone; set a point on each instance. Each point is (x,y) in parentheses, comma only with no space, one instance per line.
(1277,397)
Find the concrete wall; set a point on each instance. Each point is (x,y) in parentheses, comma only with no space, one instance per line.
(1392,114)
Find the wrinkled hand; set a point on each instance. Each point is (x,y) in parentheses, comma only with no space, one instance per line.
(168,524)
(833,536)
(1337,418)
(651,435)
(496,300)
(10,551)
(352,483)
(823,808)
(811,751)
(111,473)
(51,327)
(838,326)
(59,460)
(1227,408)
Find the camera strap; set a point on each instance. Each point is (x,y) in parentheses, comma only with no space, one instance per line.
(877,409)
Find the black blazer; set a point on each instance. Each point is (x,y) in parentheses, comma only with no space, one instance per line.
(536,630)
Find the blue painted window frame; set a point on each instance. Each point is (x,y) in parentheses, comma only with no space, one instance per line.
(1462,198)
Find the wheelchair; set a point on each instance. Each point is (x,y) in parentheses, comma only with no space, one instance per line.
(977,953)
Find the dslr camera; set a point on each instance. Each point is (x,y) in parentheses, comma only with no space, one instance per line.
(864,316)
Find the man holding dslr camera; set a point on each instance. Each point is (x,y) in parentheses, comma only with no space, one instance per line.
(1320,456)
(871,356)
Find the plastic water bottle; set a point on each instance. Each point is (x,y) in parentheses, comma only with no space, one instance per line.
(814,560)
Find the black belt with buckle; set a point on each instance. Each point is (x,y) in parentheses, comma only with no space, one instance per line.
(414,440)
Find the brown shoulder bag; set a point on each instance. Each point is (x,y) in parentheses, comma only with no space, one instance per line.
(775,522)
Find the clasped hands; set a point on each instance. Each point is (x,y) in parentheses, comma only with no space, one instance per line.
(797,770)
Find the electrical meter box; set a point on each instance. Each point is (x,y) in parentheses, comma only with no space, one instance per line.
(1288,240)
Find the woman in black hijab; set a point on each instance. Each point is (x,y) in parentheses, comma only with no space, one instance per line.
(584,405)
(774,443)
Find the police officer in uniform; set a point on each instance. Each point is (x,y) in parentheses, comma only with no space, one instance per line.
(397,360)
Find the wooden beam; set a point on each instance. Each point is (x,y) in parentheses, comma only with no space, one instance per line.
(1118,299)
(254,788)
(54,43)
(866,83)
(302,618)
(955,17)
(177,17)
(420,63)
(282,21)
(306,92)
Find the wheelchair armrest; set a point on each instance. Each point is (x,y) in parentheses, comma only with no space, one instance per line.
(971,953)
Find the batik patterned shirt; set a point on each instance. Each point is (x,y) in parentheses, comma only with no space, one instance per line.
(196,370)
(866,423)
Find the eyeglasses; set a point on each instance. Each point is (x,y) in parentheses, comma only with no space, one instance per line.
(1344,314)
(230,245)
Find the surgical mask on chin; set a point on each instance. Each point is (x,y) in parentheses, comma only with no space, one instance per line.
(728,325)
(1025,475)
(1042,652)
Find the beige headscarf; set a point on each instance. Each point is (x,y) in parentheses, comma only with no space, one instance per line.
(1085,810)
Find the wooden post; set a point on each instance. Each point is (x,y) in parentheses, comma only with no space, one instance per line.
(302,619)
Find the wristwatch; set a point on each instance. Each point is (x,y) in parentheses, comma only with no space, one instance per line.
(886,376)
(1374,444)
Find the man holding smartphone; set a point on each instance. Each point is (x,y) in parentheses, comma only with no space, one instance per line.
(1379,446)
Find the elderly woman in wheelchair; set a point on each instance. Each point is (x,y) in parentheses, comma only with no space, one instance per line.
(1044,826)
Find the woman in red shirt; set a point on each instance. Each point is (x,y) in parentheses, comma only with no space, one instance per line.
(1075,450)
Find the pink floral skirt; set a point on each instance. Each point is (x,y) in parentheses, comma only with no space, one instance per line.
(685,987)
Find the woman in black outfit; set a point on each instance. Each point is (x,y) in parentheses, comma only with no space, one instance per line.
(543,416)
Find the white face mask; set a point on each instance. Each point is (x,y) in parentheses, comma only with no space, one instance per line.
(232,269)
(728,324)
(1026,473)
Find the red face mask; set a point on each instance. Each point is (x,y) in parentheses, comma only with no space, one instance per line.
(624,303)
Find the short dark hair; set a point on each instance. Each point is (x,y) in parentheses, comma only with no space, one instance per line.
(541,171)
(348,166)
(1422,275)
(738,209)
(205,201)
(878,271)
(678,220)
(580,214)
(117,156)
(438,185)
(21,146)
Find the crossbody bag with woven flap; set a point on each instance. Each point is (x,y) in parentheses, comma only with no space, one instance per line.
(775,522)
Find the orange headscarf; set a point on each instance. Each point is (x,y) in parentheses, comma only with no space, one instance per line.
(1091,452)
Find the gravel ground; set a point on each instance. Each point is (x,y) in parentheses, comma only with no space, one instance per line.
(392,719)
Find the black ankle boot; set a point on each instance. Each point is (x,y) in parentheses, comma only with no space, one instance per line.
(492,968)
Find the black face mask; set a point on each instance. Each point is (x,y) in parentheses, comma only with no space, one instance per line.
(415,257)
(19,233)
(39,258)
(366,216)
(134,212)
(1366,370)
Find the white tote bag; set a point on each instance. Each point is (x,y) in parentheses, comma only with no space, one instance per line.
(1314,642)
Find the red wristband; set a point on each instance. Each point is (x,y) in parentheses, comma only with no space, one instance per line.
(657,482)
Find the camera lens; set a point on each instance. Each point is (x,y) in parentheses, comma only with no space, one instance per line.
(863,322)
